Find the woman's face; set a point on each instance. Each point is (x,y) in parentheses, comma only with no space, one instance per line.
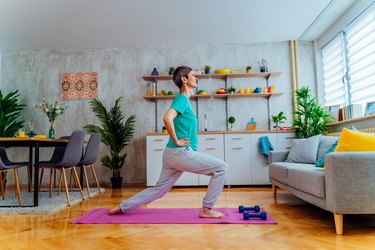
(191,80)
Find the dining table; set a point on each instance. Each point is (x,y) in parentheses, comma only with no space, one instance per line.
(33,144)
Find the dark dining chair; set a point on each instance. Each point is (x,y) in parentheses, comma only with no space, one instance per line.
(57,154)
(89,158)
(5,159)
(4,168)
(69,160)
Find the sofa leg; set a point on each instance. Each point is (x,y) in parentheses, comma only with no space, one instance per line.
(339,223)
(274,189)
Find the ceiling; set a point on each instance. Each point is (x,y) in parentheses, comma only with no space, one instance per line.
(79,24)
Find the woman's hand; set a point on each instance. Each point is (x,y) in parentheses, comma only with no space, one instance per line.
(182,142)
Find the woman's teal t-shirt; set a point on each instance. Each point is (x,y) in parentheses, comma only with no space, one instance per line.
(185,123)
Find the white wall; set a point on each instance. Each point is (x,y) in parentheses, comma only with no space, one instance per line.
(36,75)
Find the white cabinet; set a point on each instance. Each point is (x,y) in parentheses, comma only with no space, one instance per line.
(211,144)
(240,151)
(259,166)
(237,156)
(155,148)
(284,140)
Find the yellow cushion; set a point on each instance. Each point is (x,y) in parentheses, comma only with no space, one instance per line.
(355,141)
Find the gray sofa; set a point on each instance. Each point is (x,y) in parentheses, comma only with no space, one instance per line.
(347,186)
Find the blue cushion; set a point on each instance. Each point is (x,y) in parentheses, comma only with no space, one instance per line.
(320,162)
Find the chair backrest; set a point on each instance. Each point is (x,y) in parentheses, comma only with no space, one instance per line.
(58,152)
(73,150)
(4,157)
(92,150)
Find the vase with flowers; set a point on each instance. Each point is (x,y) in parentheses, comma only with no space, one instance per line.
(52,110)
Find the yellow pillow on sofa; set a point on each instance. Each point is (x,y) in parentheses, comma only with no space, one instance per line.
(355,141)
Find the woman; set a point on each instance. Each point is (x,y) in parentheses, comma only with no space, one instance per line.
(181,154)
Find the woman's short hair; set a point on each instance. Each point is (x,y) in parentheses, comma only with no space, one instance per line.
(181,71)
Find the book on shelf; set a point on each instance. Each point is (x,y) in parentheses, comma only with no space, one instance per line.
(349,112)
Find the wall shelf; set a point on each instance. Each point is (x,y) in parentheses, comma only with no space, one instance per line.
(167,97)
(265,75)
(224,77)
(252,95)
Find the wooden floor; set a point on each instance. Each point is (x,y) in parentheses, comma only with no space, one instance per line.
(300,226)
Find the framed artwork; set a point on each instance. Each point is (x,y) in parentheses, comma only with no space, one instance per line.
(76,86)
(370,108)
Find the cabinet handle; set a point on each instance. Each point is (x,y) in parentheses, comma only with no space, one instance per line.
(158,149)
(210,148)
(290,137)
(288,147)
(210,139)
(237,138)
(237,148)
(158,139)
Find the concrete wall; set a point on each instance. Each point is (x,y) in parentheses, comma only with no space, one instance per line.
(36,75)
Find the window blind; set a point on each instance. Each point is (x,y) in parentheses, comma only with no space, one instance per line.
(333,72)
(361,58)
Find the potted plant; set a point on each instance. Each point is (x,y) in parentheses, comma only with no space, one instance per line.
(171,70)
(231,121)
(263,65)
(231,90)
(310,118)
(207,69)
(248,69)
(278,119)
(116,135)
(10,112)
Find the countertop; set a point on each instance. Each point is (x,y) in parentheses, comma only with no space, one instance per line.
(231,132)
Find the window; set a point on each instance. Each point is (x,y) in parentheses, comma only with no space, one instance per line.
(349,63)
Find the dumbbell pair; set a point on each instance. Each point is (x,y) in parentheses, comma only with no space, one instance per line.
(256,209)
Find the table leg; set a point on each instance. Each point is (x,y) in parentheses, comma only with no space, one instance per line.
(30,166)
(36,174)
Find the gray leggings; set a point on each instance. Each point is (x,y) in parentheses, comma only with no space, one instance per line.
(175,162)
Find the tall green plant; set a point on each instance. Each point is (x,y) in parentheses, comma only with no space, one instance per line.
(116,134)
(310,119)
(10,112)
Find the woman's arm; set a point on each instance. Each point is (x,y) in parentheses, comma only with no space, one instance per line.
(168,122)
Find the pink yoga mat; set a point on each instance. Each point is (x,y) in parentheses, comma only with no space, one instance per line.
(166,216)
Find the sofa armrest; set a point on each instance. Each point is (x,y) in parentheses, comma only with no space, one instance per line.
(278,155)
(350,182)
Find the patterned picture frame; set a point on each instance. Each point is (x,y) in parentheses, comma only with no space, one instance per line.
(76,86)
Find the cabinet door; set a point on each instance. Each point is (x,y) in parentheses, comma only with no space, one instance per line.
(212,145)
(155,149)
(259,164)
(284,140)
(237,156)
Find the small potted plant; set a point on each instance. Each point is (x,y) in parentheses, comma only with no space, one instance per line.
(231,90)
(231,121)
(171,70)
(248,69)
(278,119)
(263,65)
(207,69)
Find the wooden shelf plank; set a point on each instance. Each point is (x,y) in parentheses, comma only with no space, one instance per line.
(246,75)
(217,76)
(167,97)
(252,95)
(168,77)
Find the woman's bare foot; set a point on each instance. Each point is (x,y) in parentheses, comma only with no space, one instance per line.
(210,213)
(114,211)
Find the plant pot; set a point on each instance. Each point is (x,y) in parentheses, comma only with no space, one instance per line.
(116,182)
(207,71)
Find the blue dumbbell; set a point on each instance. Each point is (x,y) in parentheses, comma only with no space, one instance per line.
(255,208)
(262,215)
